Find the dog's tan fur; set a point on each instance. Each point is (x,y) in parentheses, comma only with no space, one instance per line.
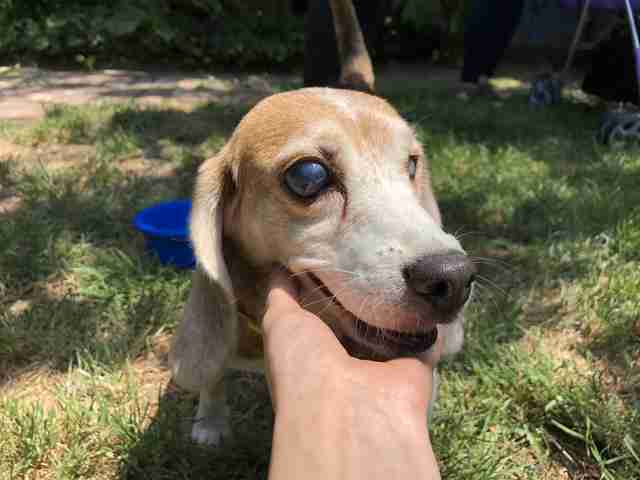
(356,69)
(244,222)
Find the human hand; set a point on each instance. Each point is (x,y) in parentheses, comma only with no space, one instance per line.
(371,415)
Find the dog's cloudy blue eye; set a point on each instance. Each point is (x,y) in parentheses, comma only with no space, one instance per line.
(413,166)
(307,178)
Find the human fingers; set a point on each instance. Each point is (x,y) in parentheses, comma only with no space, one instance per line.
(286,323)
(432,356)
(282,297)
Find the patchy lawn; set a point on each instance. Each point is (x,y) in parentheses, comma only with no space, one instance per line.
(548,385)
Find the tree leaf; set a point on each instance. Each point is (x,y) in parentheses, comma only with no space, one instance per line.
(125,21)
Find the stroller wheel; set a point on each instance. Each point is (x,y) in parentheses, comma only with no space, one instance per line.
(545,90)
(620,129)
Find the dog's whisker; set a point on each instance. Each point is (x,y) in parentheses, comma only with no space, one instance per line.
(491,284)
(364,301)
(365,324)
(330,299)
(347,285)
(493,262)
(374,313)
(496,266)
(460,233)
(365,329)
(487,294)
(493,259)
(326,269)
(320,300)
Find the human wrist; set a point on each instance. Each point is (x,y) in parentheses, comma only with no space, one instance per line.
(306,442)
(346,439)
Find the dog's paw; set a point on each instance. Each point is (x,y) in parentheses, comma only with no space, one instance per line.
(208,432)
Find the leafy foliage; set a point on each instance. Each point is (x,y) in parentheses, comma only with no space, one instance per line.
(195,31)
(437,19)
(422,15)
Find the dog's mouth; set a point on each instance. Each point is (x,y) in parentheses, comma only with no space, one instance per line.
(373,342)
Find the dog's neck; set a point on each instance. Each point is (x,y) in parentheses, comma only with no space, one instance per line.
(250,290)
(249,282)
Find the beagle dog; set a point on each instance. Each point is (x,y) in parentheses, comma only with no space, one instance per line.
(333,185)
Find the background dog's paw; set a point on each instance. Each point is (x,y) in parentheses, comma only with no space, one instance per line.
(210,432)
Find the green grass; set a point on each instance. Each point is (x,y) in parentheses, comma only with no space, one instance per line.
(548,385)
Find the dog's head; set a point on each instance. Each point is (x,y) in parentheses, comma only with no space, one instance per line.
(333,185)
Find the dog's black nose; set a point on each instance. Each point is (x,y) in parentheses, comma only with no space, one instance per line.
(444,280)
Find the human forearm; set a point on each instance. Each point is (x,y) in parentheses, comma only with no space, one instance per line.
(352,443)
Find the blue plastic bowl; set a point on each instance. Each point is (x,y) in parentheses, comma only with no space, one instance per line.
(166,230)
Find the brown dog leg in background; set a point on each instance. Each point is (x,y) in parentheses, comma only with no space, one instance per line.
(360,23)
(356,69)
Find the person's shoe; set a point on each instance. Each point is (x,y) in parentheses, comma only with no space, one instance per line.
(467,90)
(482,88)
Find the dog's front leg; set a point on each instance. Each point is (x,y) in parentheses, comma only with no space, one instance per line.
(203,343)
(211,424)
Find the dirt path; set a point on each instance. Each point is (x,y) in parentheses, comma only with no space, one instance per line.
(25,92)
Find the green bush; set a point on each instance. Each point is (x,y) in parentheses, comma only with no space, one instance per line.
(189,32)
(193,31)
(423,14)
(443,19)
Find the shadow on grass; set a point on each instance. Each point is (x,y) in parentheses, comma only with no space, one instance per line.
(601,194)
(99,325)
(96,203)
(164,450)
(74,265)
(73,274)
(118,130)
(151,87)
(151,126)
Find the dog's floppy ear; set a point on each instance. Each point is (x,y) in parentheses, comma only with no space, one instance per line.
(208,332)
(207,217)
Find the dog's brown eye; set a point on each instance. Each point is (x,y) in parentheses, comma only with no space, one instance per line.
(413,166)
(307,178)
